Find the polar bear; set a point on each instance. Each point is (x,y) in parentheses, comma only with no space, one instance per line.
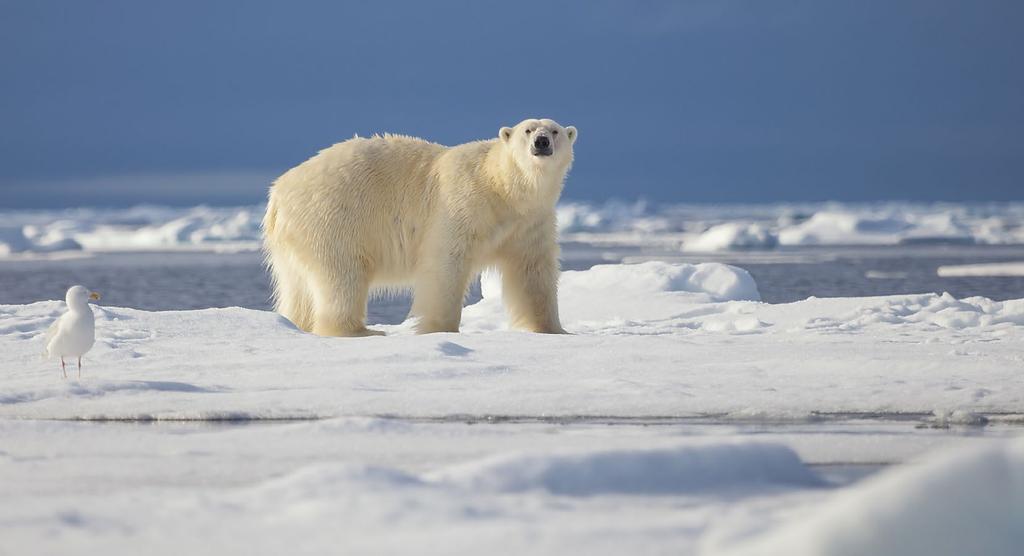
(394,212)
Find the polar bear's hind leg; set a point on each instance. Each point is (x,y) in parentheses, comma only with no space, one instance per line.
(339,299)
(292,298)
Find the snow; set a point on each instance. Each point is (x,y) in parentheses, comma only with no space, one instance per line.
(733,236)
(656,339)
(613,216)
(958,503)
(136,229)
(712,228)
(876,228)
(14,240)
(382,486)
(993,269)
(627,292)
(694,228)
(664,471)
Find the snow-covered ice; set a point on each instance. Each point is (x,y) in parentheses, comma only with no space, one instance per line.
(651,339)
(992,269)
(380,486)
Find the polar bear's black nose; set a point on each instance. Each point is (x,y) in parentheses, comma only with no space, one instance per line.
(542,142)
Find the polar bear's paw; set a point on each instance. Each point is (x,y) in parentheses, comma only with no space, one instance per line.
(347,333)
(369,332)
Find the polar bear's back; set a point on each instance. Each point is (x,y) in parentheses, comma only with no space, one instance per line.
(371,192)
(376,169)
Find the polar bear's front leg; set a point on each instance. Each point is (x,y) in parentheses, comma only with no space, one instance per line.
(529,287)
(438,293)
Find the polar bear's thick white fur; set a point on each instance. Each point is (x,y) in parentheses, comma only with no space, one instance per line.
(394,212)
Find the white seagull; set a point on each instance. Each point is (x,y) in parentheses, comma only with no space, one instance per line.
(73,334)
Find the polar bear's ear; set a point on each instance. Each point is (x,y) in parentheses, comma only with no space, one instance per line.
(505,133)
(572,133)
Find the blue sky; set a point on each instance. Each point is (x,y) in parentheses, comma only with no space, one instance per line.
(184,102)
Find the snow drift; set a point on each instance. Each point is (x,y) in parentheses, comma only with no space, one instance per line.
(964,502)
(733,236)
(687,469)
(694,468)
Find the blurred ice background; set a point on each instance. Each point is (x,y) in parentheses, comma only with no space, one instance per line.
(184,258)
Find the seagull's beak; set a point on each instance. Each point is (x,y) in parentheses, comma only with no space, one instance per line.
(95,296)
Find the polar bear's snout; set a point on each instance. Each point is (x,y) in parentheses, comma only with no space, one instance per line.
(541,144)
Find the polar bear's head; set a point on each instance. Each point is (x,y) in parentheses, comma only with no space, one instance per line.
(540,145)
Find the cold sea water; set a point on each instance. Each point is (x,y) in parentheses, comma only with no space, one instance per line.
(193,280)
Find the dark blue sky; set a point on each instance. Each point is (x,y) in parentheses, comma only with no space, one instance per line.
(720,100)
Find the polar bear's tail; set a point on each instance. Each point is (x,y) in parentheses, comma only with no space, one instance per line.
(270,218)
(269,226)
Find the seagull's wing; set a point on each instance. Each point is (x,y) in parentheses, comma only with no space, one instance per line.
(50,333)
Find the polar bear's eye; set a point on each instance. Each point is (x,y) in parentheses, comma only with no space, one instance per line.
(555,132)
(528,131)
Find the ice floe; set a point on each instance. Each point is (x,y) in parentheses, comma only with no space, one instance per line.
(649,339)
(992,269)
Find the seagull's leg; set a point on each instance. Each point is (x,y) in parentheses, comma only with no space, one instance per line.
(79,366)
(62,368)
